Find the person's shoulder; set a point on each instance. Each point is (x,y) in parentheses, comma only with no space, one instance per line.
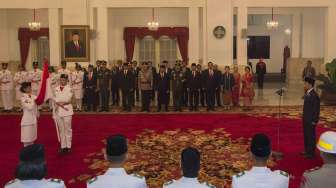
(240,175)
(282,175)
(55,183)
(137,177)
(11,183)
(92,181)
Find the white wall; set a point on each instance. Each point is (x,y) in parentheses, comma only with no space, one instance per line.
(313,32)
(138,17)
(4,52)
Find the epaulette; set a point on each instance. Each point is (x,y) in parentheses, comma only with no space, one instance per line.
(11,182)
(240,174)
(92,180)
(313,169)
(210,185)
(284,173)
(168,182)
(54,180)
(138,176)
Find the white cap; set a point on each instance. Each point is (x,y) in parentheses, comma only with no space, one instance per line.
(327,142)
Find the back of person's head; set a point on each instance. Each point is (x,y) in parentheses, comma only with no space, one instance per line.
(260,147)
(190,162)
(327,146)
(32,164)
(116,148)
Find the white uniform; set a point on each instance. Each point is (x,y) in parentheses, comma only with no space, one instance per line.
(64,115)
(35,77)
(118,178)
(19,78)
(261,177)
(44,183)
(187,183)
(29,118)
(77,78)
(6,88)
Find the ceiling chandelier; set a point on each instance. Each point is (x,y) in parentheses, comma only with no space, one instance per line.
(34,25)
(272,24)
(153,25)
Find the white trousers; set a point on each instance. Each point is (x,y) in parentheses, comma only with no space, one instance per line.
(7,99)
(65,131)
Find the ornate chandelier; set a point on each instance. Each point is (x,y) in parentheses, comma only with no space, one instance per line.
(272,24)
(153,25)
(34,25)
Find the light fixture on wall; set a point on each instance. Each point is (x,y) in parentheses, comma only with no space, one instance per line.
(288,31)
(34,25)
(153,25)
(272,24)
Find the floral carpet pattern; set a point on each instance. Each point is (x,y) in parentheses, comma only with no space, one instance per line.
(156,156)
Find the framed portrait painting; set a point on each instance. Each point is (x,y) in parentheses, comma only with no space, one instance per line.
(75,43)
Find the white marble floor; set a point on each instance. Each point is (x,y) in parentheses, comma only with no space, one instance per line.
(268,97)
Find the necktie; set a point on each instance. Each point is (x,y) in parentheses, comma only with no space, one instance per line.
(77,45)
(61,88)
(194,73)
(90,76)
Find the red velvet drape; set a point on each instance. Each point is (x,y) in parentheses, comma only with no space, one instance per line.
(180,33)
(24,36)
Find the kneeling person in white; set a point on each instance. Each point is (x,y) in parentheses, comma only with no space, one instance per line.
(190,163)
(30,115)
(260,176)
(116,176)
(32,169)
(63,113)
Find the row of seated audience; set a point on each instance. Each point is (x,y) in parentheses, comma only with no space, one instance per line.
(100,86)
(31,170)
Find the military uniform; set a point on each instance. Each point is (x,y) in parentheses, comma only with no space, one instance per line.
(43,183)
(261,177)
(114,86)
(178,80)
(35,76)
(64,115)
(6,87)
(187,183)
(117,177)
(104,78)
(19,78)
(90,86)
(77,78)
(146,86)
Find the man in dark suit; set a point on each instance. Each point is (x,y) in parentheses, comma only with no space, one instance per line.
(90,88)
(186,72)
(75,47)
(218,75)
(104,83)
(202,90)
(154,76)
(210,83)
(162,86)
(311,115)
(194,86)
(136,69)
(127,84)
(261,71)
(115,85)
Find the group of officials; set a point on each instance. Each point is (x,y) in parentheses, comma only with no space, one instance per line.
(100,86)
(31,170)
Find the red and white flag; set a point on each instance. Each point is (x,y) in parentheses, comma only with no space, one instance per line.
(45,88)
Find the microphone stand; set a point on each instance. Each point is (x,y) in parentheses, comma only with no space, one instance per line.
(277,154)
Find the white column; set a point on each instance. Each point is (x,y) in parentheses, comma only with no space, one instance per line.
(296,35)
(241,42)
(54,36)
(194,32)
(102,33)
(220,13)
(92,23)
(330,35)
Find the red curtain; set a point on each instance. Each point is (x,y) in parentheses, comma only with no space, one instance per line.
(24,36)
(180,33)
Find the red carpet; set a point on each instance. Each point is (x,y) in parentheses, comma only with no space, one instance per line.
(89,130)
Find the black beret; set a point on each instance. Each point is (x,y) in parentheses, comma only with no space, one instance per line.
(261,145)
(193,64)
(35,63)
(309,80)
(116,145)
(32,153)
(24,85)
(65,76)
(190,158)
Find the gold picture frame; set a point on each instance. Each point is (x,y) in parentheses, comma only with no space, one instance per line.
(75,43)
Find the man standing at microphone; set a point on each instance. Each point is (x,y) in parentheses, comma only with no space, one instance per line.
(64,112)
(310,118)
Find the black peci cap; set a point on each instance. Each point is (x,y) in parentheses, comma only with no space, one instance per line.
(32,153)
(260,145)
(35,63)
(116,145)
(190,159)
(309,80)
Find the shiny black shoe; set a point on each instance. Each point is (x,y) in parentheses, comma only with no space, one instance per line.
(62,151)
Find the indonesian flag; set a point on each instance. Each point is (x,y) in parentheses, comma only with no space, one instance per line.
(45,88)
